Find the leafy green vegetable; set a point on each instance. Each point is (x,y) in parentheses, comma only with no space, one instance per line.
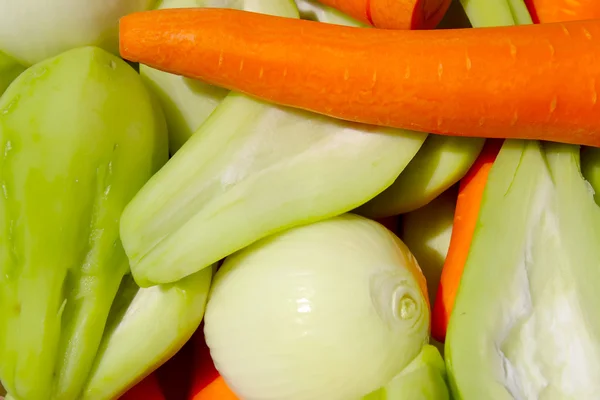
(525,323)
(80,135)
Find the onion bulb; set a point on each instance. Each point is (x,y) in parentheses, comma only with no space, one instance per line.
(33,30)
(331,310)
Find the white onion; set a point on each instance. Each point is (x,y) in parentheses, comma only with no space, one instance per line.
(32,30)
(331,310)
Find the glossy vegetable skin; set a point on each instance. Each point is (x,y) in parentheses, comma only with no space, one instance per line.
(80,135)
(343,300)
(323,68)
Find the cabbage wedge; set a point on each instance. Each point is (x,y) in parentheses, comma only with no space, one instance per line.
(525,323)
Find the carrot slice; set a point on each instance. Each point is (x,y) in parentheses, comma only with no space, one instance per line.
(147,389)
(207,384)
(535,82)
(394,14)
(549,11)
(468,203)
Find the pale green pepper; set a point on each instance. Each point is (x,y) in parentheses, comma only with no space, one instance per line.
(79,134)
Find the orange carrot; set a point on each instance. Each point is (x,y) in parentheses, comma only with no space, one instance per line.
(535,82)
(147,389)
(207,384)
(549,11)
(394,14)
(468,203)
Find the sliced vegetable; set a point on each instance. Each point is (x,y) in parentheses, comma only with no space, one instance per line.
(549,11)
(423,379)
(466,216)
(9,70)
(254,169)
(519,12)
(147,327)
(398,14)
(426,232)
(188,102)
(488,13)
(471,187)
(323,68)
(330,310)
(80,135)
(525,323)
(33,30)
(247,177)
(440,163)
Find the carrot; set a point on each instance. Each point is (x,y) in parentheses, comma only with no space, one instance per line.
(147,389)
(549,11)
(535,82)
(394,14)
(207,384)
(468,203)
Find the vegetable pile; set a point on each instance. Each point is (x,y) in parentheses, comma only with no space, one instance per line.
(299,200)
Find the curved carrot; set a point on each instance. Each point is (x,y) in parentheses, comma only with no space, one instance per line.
(147,389)
(535,82)
(470,193)
(394,14)
(215,390)
(207,384)
(549,11)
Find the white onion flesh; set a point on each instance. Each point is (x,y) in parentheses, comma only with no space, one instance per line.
(331,310)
